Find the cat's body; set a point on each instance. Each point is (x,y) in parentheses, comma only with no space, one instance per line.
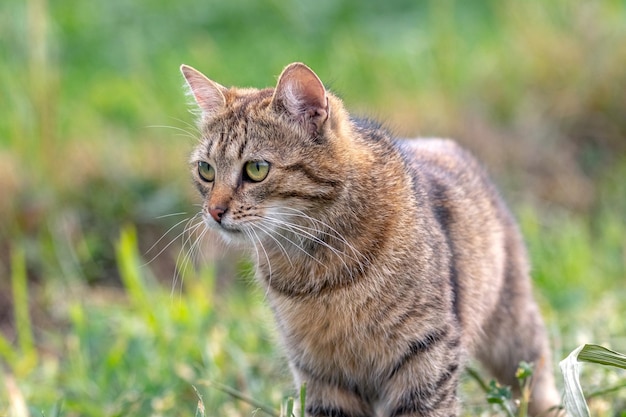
(387,262)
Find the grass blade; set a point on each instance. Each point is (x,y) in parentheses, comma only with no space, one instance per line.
(243,397)
(574,399)
(20,297)
(27,358)
(303,400)
(6,351)
(602,355)
(473,373)
(200,408)
(288,408)
(130,272)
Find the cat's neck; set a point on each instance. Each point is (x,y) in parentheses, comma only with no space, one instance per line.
(337,245)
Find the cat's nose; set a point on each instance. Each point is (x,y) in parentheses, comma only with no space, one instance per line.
(217,213)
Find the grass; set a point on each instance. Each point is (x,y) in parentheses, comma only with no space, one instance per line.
(145,352)
(93,148)
(574,398)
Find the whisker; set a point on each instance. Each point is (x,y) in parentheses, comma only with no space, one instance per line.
(250,231)
(192,253)
(268,231)
(189,125)
(163,237)
(269,265)
(182,132)
(304,232)
(316,228)
(182,213)
(337,235)
(290,228)
(252,240)
(181,264)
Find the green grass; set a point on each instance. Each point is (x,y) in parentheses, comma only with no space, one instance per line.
(148,351)
(95,133)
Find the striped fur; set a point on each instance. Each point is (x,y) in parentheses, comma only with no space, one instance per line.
(387,262)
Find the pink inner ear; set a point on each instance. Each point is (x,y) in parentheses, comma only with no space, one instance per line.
(301,91)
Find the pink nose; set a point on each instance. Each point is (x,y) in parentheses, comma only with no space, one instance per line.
(217,213)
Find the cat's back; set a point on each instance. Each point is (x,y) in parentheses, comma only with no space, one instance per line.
(455,183)
(481,234)
(442,160)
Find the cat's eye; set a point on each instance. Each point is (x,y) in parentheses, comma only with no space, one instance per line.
(206,171)
(257,170)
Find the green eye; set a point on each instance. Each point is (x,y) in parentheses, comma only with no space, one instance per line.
(206,171)
(257,170)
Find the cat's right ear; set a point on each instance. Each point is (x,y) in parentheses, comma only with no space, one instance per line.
(208,94)
(301,93)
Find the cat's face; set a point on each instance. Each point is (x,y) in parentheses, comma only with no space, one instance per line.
(262,165)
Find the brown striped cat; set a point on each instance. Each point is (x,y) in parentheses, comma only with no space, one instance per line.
(386,262)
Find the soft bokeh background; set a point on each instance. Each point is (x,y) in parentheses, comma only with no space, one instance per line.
(95,316)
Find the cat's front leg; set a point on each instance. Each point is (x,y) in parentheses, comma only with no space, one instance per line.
(330,397)
(425,379)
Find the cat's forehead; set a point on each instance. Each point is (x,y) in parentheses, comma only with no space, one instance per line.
(234,137)
(247,121)
(247,99)
(243,109)
(248,127)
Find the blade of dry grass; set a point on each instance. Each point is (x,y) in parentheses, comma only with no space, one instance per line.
(574,398)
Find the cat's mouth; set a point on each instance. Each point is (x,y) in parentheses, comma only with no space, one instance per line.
(224,227)
(228,228)
(232,234)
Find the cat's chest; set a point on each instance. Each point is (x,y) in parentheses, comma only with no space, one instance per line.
(329,332)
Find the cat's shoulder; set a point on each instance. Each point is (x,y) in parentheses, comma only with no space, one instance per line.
(443,153)
(371,129)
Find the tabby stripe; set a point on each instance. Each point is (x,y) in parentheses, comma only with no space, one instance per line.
(319,410)
(310,174)
(417,307)
(396,328)
(353,275)
(454,285)
(287,290)
(223,144)
(346,387)
(241,111)
(454,343)
(211,148)
(392,312)
(444,218)
(207,148)
(242,146)
(238,143)
(291,291)
(200,187)
(418,347)
(447,376)
(423,401)
(326,198)
(413,402)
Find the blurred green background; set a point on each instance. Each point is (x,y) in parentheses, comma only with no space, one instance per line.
(95,131)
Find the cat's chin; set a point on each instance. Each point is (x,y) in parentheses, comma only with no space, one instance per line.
(233,237)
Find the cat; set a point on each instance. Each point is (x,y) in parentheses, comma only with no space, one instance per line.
(387,262)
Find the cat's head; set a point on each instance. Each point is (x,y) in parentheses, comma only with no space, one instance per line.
(269,158)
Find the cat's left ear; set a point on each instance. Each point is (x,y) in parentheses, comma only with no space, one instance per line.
(301,93)
(208,94)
